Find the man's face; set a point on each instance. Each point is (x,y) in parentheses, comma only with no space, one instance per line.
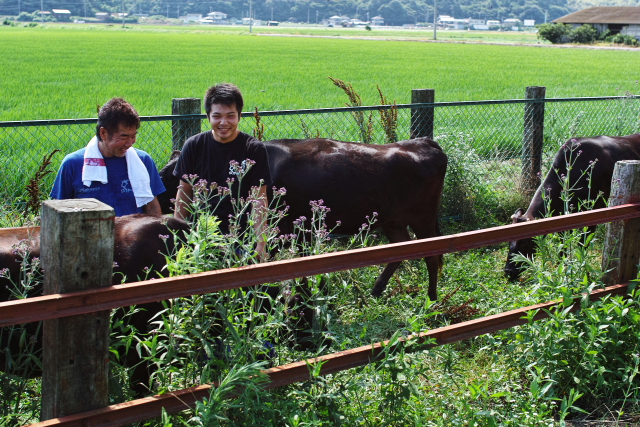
(117,143)
(224,122)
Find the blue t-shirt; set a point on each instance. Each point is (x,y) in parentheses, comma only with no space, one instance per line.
(117,193)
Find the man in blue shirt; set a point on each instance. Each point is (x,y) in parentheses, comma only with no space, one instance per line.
(109,168)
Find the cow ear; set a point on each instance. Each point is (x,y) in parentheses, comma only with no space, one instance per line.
(517,214)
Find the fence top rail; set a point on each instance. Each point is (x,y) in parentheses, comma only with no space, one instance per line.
(74,303)
(83,121)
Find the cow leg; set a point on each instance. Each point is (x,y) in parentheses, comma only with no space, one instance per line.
(395,235)
(434,263)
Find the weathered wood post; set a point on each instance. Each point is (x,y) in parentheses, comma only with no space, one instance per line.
(422,118)
(183,129)
(622,243)
(532,139)
(77,253)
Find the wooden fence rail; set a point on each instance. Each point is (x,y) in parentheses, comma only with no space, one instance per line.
(181,400)
(74,303)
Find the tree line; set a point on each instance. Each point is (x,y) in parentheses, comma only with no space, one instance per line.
(394,12)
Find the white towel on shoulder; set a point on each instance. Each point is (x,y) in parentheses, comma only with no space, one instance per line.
(95,169)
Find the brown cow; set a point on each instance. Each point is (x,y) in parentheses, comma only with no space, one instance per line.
(402,182)
(605,151)
(138,253)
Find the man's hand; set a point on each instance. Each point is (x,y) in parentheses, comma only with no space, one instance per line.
(153,207)
(183,200)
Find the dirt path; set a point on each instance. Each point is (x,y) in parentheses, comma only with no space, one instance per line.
(555,46)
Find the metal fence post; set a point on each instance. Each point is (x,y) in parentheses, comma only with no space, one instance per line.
(622,244)
(532,139)
(422,118)
(77,243)
(183,129)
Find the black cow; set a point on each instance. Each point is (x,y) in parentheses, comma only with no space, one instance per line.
(402,182)
(601,151)
(138,251)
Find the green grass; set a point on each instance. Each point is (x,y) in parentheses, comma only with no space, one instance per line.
(56,72)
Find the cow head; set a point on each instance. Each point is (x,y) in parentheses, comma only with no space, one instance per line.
(525,247)
(170,182)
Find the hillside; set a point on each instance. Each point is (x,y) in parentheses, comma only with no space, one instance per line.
(394,12)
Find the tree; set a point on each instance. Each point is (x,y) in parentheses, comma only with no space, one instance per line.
(583,34)
(552,32)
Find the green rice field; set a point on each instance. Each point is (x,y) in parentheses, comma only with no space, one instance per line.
(61,72)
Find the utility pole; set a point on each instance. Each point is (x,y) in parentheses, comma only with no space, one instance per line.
(435,19)
(272,13)
(250,16)
(84,3)
(41,9)
(316,17)
(167,11)
(122,13)
(178,11)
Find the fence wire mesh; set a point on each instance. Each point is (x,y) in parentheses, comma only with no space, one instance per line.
(489,143)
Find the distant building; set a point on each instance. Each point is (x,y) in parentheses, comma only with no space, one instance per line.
(493,23)
(377,21)
(623,20)
(337,21)
(191,17)
(529,23)
(102,16)
(217,16)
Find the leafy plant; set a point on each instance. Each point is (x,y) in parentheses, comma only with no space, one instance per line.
(553,32)
(583,34)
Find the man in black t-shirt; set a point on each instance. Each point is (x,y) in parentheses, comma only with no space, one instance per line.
(222,154)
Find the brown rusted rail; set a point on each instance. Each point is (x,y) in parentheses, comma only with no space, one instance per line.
(74,303)
(150,407)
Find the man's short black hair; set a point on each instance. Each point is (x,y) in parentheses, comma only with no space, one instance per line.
(226,94)
(115,112)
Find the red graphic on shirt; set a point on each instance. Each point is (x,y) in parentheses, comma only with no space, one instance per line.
(94,162)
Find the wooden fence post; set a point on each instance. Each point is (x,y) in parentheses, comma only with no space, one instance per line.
(77,253)
(183,129)
(422,118)
(622,243)
(532,140)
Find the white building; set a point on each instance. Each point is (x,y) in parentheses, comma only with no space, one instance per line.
(191,17)
(337,21)
(377,21)
(217,17)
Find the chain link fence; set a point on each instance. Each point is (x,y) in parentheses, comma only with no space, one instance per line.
(491,144)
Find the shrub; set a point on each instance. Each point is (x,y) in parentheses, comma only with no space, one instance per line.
(552,32)
(604,35)
(624,39)
(25,17)
(583,34)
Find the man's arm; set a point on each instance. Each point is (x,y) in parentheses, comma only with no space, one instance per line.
(183,200)
(153,207)
(260,226)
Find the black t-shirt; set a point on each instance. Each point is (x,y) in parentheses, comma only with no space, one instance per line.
(202,155)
